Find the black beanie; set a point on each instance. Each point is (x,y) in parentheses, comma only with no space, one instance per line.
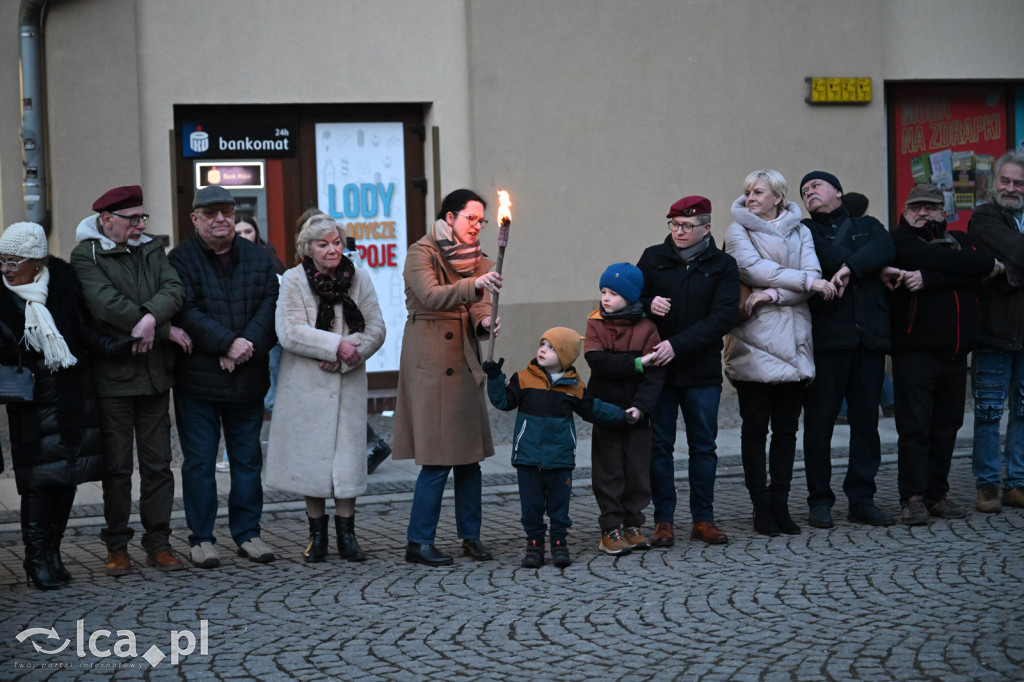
(822,175)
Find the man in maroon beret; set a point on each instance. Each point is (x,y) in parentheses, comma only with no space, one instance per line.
(131,289)
(691,290)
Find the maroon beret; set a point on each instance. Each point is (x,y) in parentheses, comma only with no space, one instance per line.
(690,206)
(119,198)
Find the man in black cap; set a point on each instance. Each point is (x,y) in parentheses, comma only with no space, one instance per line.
(230,297)
(131,290)
(934,317)
(851,338)
(692,291)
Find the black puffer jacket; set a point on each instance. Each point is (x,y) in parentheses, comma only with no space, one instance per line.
(705,297)
(55,438)
(942,317)
(861,316)
(220,306)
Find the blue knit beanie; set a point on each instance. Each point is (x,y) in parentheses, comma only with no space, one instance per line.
(624,279)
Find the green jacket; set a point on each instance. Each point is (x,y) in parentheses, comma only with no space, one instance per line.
(120,285)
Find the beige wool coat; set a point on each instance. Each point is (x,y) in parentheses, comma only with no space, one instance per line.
(318,432)
(441,410)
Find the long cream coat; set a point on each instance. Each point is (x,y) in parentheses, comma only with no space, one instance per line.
(318,432)
(774,344)
(441,410)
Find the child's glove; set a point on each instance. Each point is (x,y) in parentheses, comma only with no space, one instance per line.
(493,369)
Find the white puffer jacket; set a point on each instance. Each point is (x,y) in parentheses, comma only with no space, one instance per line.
(774,345)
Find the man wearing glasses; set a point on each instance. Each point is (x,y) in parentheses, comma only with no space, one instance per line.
(230,297)
(131,290)
(692,291)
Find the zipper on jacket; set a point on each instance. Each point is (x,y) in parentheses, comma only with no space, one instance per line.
(911,313)
(515,450)
(956,348)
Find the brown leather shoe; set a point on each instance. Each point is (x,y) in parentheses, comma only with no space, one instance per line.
(663,536)
(165,560)
(118,562)
(709,533)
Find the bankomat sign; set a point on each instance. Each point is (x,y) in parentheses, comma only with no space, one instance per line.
(240,139)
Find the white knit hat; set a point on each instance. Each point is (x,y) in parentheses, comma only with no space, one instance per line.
(24,239)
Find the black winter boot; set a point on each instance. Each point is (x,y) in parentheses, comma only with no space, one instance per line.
(348,547)
(534,554)
(316,550)
(35,516)
(764,520)
(780,510)
(560,553)
(61,503)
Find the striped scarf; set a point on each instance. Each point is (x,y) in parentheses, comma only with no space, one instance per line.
(462,257)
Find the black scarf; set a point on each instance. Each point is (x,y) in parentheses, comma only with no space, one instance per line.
(330,290)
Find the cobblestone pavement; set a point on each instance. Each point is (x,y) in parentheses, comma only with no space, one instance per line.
(942,601)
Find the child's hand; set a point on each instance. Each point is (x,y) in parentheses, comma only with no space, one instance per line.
(648,359)
(493,369)
(632,415)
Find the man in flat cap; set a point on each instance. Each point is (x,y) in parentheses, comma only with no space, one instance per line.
(692,291)
(934,314)
(998,362)
(851,338)
(230,299)
(131,289)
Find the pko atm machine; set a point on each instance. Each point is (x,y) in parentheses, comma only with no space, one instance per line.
(245,179)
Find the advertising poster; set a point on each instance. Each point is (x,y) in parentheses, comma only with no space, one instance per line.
(949,136)
(361,184)
(1019,108)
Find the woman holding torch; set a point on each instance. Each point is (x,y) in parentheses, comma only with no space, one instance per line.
(441,411)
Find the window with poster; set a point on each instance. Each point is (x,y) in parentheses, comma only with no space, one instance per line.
(949,135)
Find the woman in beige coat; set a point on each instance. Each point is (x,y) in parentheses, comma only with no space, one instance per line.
(769,357)
(441,411)
(328,323)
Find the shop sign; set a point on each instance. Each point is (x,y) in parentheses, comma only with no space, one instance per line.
(239,139)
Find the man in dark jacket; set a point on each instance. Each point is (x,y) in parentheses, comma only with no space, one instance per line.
(692,291)
(851,338)
(998,364)
(934,318)
(131,290)
(230,297)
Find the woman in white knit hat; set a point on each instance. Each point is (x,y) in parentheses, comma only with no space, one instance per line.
(55,438)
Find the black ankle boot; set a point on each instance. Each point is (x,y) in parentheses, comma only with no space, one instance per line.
(534,557)
(780,510)
(60,510)
(35,515)
(348,547)
(316,550)
(560,554)
(764,520)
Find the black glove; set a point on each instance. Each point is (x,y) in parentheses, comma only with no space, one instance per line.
(116,347)
(493,369)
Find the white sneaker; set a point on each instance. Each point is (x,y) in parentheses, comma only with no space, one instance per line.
(204,555)
(256,550)
(222,463)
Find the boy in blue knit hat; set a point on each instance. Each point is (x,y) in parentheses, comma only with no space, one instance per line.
(547,393)
(619,347)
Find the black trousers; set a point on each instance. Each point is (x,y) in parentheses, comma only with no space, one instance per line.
(930,392)
(621,475)
(762,406)
(545,490)
(855,374)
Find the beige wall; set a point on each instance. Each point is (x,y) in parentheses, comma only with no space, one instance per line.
(12,207)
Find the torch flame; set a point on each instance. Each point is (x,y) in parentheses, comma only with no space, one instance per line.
(504,207)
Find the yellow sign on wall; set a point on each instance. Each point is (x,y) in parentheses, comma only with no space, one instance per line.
(839,90)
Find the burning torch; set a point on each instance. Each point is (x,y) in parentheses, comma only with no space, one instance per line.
(504,223)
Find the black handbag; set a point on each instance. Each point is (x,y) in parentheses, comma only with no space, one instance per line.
(17,383)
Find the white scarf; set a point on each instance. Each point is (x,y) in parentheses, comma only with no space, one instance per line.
(40,330)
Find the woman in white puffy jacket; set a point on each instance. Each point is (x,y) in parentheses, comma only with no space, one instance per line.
(769,357)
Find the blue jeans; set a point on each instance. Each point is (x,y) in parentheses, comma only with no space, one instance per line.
(426,502)
(275,360)
(997,373)
(199,426)
(699,405)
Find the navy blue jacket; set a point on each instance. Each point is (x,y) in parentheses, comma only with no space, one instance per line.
(545,433)
(220,306)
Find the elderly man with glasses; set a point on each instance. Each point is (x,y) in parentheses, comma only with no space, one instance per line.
(131,290)
(692,292)
(230,299)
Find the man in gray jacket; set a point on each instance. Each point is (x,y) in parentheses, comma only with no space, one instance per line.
(131,289)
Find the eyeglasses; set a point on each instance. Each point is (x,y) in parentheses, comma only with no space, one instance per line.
(926,208)
(134,220)
(473,220)
(211,213)
(681,227)
(12,265)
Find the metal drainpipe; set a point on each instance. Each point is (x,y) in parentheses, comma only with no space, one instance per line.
(33,132)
